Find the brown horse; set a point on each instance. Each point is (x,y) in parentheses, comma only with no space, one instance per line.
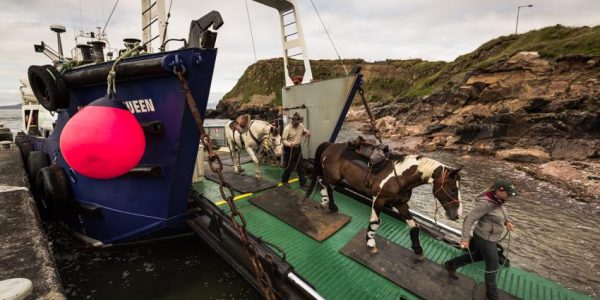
(392,184)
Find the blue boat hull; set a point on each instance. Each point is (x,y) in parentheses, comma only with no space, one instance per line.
(136,205)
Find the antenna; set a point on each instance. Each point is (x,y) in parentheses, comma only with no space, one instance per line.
(58,29)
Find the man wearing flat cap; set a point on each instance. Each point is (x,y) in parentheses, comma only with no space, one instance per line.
(292,150)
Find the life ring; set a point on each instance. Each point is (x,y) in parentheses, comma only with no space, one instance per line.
(49,87)
(53,190)
(35,162)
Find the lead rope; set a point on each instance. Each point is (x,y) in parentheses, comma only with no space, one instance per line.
(216,166)
(305,142)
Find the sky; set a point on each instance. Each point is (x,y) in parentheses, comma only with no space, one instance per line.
(373,30)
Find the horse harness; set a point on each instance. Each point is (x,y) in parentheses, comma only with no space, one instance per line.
(258,142)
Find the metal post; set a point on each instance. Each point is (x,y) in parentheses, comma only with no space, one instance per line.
(518,10)
(59,29)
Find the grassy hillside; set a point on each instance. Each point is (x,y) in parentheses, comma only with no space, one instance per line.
(549,42)
(392,79)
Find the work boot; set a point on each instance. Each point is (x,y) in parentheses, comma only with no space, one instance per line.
(303,184)
(451,270)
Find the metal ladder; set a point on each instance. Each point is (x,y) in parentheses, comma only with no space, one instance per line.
(152,12)
(292,36)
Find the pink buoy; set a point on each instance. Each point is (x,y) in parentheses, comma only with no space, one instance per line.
(103,140)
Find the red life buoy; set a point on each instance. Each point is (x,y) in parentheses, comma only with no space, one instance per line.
(104,140)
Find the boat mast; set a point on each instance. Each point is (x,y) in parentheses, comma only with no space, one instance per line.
(153,11)
(292,36)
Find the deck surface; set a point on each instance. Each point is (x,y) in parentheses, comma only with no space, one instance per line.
(308,217)
(336,276)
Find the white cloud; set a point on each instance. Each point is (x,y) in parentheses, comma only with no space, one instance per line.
(373,30)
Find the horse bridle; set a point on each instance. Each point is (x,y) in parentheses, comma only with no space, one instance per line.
(266,141)
(454,200)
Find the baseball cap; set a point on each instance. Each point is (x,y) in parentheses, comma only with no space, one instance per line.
(505,185)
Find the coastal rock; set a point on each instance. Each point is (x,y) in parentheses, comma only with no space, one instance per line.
(409,144)
(356,114)
(576,149)
(385,123)
(486,146)
(410,130)
(580,177)
(523,155)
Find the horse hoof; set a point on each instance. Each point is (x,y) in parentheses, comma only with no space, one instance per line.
(334,209)
(374,250)
(420,257)
(323,206)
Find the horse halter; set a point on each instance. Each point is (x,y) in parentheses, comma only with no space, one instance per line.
(268,138)
(454,200)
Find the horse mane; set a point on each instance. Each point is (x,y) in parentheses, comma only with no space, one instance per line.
(425,165)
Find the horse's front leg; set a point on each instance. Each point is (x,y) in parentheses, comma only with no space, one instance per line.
(256,163)
(414,229)
(374,223)
(324,194)
(331,202)
(233,152)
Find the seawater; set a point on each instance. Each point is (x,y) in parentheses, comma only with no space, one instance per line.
(11,118)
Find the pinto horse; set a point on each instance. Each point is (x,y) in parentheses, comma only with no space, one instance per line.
(392,184)
(258,133)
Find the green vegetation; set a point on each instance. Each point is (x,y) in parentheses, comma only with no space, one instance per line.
(392,79)
(550,42)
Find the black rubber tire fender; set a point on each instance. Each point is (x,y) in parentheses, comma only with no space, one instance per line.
(48,86)
(35,162)
(25,147)
(44,206)
(20,137)
(57,189)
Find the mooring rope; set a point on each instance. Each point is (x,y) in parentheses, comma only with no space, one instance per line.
(112,74)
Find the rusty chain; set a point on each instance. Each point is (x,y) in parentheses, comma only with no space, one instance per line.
(216,166)
(361,92)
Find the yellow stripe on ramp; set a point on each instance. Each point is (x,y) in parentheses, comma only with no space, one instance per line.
(246,195)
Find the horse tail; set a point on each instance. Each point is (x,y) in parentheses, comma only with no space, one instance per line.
(317,169)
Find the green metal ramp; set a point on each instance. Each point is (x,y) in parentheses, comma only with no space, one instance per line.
(336,276)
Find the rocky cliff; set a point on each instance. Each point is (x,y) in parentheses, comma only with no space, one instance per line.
(533,98)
